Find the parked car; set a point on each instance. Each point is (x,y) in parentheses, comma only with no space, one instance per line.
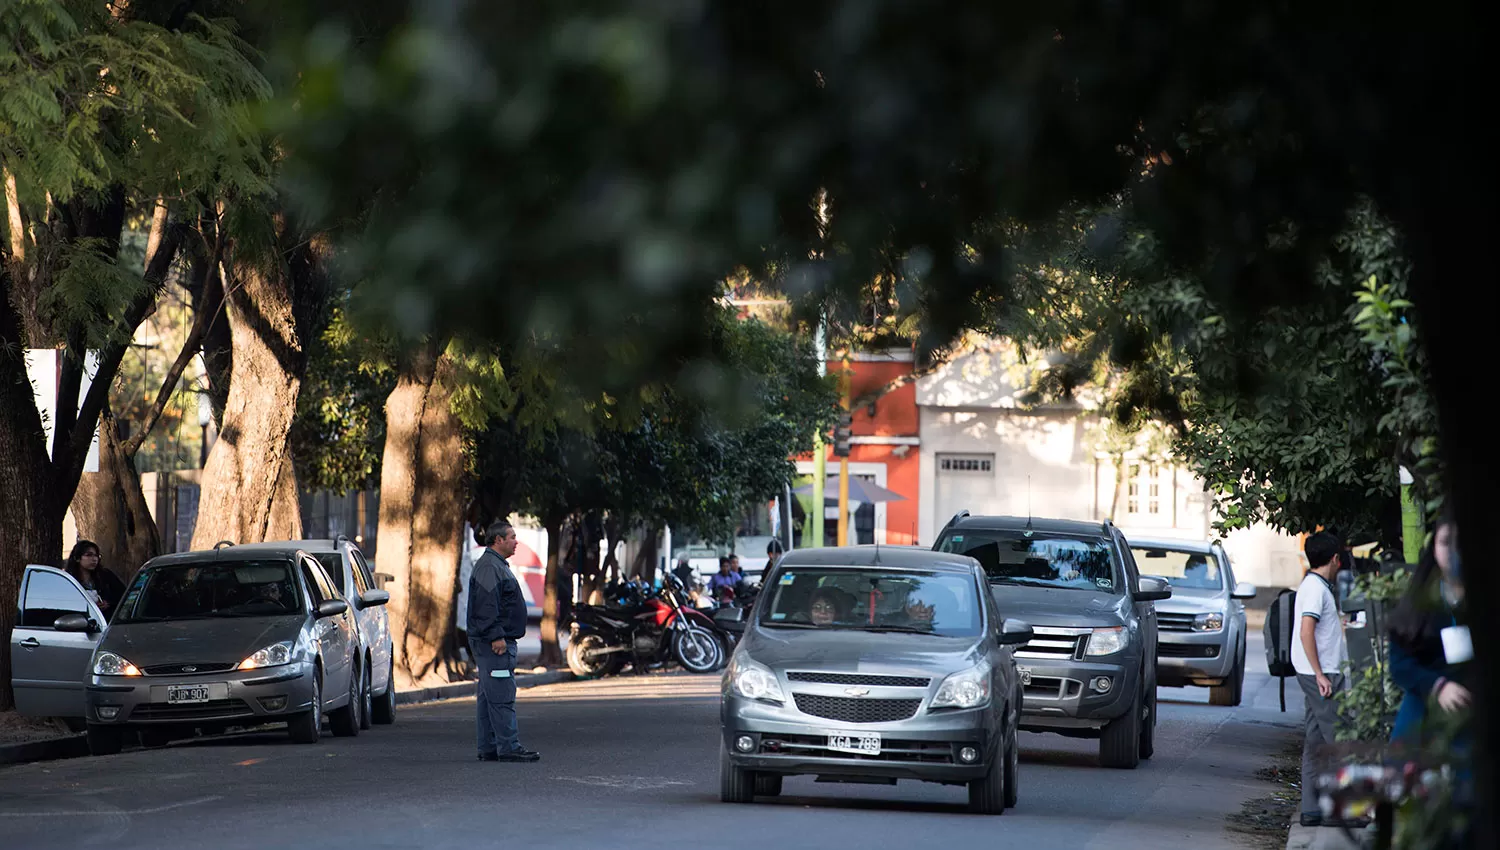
(201,640)
(874,664)
(353,579)
(1091,670)
(1202,626)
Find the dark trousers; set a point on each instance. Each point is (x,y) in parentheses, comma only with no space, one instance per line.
(495,699)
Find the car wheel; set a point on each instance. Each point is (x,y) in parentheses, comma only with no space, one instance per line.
(383,712)
(367,700)
(987,795)
(345,721)
(105,740)
(1148,722)
(768,784)
(307,727)
(1232,691)
(735,785)
(1120,744)
(1012,770)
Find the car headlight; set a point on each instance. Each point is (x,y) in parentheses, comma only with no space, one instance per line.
(754,681)
(1211,622)
(110,664)
(1107,641)
(965,689)
(272,656)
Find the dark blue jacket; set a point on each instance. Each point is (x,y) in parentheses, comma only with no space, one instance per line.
(496,607)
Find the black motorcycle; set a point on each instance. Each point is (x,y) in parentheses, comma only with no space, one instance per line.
(648,629)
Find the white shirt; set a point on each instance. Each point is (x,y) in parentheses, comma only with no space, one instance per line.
(1315,600)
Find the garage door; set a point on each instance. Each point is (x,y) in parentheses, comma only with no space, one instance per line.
(965,482)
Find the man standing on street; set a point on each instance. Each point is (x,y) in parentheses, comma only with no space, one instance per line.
(1318,655)
(496,621)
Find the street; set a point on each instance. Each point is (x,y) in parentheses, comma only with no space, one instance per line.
(628,762)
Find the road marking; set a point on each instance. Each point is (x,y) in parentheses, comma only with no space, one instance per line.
(630,783)
(111,812)
(248,762)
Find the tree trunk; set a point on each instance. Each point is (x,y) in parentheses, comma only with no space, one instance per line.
(591,528)
(551,655)
(249,486)
(110,507)
(1114,503)
(645,560)
(421,519)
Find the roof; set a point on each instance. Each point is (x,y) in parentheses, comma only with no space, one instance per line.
(895,557)
(228,554)
(311,547)
(1170,544)
(1019,523)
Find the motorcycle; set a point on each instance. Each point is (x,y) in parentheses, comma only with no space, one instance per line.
(650,630)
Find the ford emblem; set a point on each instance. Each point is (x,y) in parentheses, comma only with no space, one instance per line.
(857,692)
(190,669)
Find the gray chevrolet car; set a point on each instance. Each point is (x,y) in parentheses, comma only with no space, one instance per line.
(1202,626)
(1090,671)
(873,664)
(212,640)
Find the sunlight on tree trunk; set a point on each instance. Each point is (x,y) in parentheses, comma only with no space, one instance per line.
(110,507)
(551,654)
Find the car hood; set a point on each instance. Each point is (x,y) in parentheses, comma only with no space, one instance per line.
(1053,606)
(225,640)
(850,651)
(1187,600)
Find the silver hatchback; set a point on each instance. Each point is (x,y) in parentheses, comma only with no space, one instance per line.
(874,664)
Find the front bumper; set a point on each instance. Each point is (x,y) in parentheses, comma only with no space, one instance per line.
(1063,695)
(1194,658)
(246,697)
(924,747)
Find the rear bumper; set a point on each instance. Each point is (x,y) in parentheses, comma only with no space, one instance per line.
(236,698)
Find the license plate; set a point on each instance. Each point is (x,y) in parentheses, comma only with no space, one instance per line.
(178,694)
(1025,674)
(864,745)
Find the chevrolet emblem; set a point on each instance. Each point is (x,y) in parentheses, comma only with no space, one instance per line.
(857,692)
(190,669)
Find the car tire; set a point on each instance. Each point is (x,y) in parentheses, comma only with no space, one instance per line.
(767,784)
(383,710)
(367,700)
(1148,722)
(987,795)
(105,740)
(307,727)
(345,721)
(735,784)
(1120,743)
(1232,692)
(1012,769)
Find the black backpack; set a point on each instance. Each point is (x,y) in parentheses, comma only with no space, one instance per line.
(1278,633)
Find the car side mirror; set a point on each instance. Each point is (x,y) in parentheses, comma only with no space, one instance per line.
(75,623)
(1014,632)
(1152,589)
(1244,590)
(374,597)
(332,608)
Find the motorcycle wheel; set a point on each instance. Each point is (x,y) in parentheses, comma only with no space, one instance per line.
(697,650)
(585,666)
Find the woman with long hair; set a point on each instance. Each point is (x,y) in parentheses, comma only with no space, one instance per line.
(1419,666)
(87,566)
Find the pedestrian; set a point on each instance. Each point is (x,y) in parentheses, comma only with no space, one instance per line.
(496,621)
(727,578)
(1318,656)
(1422,669)
(87,566)
(774,551)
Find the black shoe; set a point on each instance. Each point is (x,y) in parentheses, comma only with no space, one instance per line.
(520,755)
(1312,818)
(489,757)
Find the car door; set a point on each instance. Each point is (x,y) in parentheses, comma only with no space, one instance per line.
(354,587)
(1145,612)
(334,634)
(49,667)
(379,636)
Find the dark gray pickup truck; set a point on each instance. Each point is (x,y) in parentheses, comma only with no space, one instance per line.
(1090,670)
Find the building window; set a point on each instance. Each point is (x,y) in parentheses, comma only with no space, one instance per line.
(1153,501)
(1133,494)
(966,463)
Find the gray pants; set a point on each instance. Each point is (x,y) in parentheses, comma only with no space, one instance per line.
(1320,714)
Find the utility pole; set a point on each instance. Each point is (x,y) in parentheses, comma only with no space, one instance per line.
(844,387)
(1412,522)
(814,536)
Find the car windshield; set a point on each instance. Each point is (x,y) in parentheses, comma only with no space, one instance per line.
(873,600)
(215,589)
(1038,558)
(1189,570)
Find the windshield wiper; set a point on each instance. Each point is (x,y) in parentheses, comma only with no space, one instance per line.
(906,629)
(775,625)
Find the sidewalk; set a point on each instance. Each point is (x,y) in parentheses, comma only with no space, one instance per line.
(1318,838)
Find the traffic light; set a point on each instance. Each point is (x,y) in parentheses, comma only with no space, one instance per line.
(842,431)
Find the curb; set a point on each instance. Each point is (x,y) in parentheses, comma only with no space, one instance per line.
(74,746)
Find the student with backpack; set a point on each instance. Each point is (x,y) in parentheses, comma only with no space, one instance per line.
(1318,655)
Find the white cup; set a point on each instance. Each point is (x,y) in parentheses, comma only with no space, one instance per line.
(1458,647)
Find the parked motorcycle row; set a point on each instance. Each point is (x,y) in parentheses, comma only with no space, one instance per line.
(650,628)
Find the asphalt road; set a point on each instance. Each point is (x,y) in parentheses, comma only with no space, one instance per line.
(628,762)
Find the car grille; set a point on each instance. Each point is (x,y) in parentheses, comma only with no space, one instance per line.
(1186,650)
(215,708)
(850,710)
(859,679)
(928,752)
(179,669)
(1051,687)
(1053,647)
(1174,622)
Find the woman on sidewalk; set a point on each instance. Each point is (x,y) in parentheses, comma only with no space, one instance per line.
(86,565)
(1419,666)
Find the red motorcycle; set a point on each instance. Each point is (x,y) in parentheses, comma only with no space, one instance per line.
(648,630)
